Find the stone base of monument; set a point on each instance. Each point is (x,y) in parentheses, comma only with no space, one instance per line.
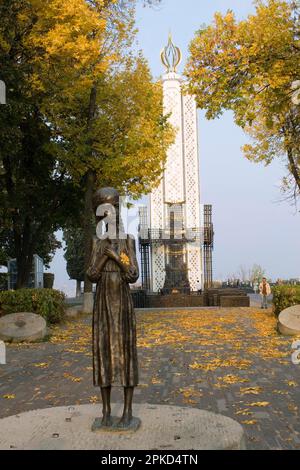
(24,326)
(289,321)
(162,428)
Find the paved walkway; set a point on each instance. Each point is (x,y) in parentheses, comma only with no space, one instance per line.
(230,361)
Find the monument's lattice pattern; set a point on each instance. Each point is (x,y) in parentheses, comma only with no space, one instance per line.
(174,170)
(192,186)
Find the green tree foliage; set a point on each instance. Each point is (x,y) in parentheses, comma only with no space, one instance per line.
(252,67)
(82,112)
(35,196)
(74,254)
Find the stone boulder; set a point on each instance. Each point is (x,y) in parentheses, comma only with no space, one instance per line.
(289,321)
(24,326)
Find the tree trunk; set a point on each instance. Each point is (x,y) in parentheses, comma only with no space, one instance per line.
(24,267)
(294,169)
(88,239)
(24,254)
(88,226)
(90,179)
(78,288)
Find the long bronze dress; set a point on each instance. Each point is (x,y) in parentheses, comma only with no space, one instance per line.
(114,325)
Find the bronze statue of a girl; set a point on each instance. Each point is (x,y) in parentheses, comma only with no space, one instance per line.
(113,266)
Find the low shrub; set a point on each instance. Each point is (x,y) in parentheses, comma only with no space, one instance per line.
(284,297)
(3,281)
(48,303)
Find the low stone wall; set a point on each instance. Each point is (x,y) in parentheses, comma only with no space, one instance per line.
(175,300)
(234,301)
(210,298)
(226,298)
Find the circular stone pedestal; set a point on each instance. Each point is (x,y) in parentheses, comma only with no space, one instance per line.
(23,326)
(162,428)
(289,321)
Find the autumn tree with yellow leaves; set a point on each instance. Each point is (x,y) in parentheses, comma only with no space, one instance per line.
(93,109)
(252,67)
(42,52)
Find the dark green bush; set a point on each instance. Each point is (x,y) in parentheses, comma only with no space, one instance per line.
(3,281)
(48,303)
(284,297)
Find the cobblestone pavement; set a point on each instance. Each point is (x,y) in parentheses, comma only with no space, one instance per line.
(230,361)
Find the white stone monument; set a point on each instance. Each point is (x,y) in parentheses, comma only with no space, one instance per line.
(180,185)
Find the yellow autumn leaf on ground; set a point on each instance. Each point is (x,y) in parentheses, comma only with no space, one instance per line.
(249,422)
(232,379)
(156,381)
(42,365)
(260,404)
(9,397)
(188,392)
(292,407)
(292,383)
(250,390)
(94,399)
(74,379)
(245,412)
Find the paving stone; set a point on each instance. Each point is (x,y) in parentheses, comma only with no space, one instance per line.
(222,406)
(41,368)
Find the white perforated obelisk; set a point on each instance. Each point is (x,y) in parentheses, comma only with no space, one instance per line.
(180,183)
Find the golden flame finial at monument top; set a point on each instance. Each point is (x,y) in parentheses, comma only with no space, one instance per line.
(171,56)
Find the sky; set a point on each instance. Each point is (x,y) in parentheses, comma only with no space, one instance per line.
(252,223)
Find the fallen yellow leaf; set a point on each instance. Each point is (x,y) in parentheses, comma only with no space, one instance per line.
(260,404)
(292,383)
(42,365)
(250,390)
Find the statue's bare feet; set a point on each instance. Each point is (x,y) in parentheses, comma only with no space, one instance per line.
(125,421)
(106,420)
